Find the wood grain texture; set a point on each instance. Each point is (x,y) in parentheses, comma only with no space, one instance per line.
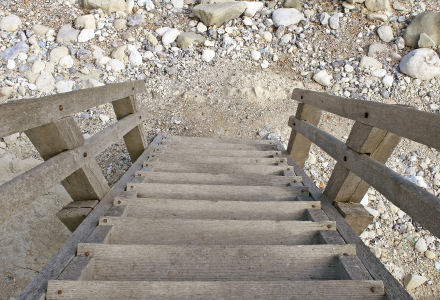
(405,121)
(130,231)
(185,140)
(100,235)
(330,237)
(61,259)
(212,263)
(80,268)
(299,146)
(355,214)
(21,115)
(316,215)
(182,152)
(351,268)
(135,138)
(223,146)
(216,192)
(217,178)
(177,290)
(218,159)
(394,290)
(421,205)
(22,190)
(216,210)
(72,217)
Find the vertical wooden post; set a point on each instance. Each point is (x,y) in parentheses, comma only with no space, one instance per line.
(134,139)
(299,146)
(345,186)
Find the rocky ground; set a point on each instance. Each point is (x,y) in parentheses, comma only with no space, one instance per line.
(224,70)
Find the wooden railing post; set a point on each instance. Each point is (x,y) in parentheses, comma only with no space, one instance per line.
(135,139)
(299,146)
(87,183)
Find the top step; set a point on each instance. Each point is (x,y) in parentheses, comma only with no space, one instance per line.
(193,140)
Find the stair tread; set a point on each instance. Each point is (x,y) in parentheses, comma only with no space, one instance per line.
(206,209)
(217,192)
(225,146)
(244,290)
(182,152)
(190,140)
(209,159)
(131,230)
(217,178)
(215,262)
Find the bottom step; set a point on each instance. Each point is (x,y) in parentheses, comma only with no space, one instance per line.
(319,290)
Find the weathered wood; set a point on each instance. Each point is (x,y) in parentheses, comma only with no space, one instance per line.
(177,290)
(394,290)
(219,159)
(330,237)
(221,146)
(22,190)
(316,215)
(345,186)
(72,217)
(21,115)
(80,268)
(100,235)
(405,121)
(215,210)
(117,211)
(355,214)
(86,183)
(217,178)
(135,138)
(299,146)
(66,253)
(215,262)
(351,268)
(216,192)
(131,231)
(182,152)
(421,205)
(185,140)
(89,203)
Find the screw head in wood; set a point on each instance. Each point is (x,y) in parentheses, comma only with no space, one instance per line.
(140,117)
(294,181)
(60,292)
(61,107)
(373,289)
(119,202)
(313,206)
(105,220)
(140,175)
(303,191)
(288,169)
(345,254)
(132,187)
(114,171)
(87,254)
(329,226)
(85,154)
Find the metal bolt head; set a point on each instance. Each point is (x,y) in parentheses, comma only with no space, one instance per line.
(313,206)
(132,187)
(329,226)
(105,220)
(60,292)
(87,254)
(85,154)
(61,107)
(119,202)
(288,169)
(373,289)
(140,117)
(294,181)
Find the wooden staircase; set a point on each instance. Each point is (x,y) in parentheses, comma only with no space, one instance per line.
(215,219)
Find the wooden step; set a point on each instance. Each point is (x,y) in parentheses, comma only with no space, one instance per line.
(218,159)
(217,192)
(217,178)
(224,146)
(215,263)
(144,231)
(182,152)
(177,167)
(205,140)
(245,290)
(217,210)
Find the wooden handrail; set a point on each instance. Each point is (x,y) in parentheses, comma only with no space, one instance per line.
(22,190)
(421,205)
(21,115)
(419,126)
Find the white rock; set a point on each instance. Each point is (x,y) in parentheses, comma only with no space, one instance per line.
(66,62)
(265,64)
(67,33)
(208,55)
(38,66)
(369,63)
(255,55)
(348,68)
(201,27)
(45,83)
(170,36)
(429,254)
(90,83)
(209,43)
(377,17)
(11,64)
(247,21)
(324,18)
(286,17)
(379,73)
(252,8)
(412,281)
(10,23)
(364,200)
(161,30)
(372,211)
(40,30)
(57,53)
(116,65)
(64,86)
(86,35)
(385,33)
(85,22)
(129,5)
(267,36)
(388,81)
(10,139)
(323,78)
(422,63)
(104,118)
(148,55)
(334,21)
(135,58)
(421,245)
(177,3)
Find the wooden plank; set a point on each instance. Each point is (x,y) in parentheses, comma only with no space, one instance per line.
(351,268)
(215,210)
(299,146)
(406,121)
(60,260)
(117,211)
(90,204)
(355,214)
(72,217)
(345,186)
(80,268)
(316,215)
(217,178)
(331,237)
(190,158)
(100,235)
(421,205)
(182,152)
(86,183)
(221,146)
(22,190)
(135,138)
(21,115)
(216,262)
(216,192)
(177,290)
(394,290)
(182,140)
(131,231)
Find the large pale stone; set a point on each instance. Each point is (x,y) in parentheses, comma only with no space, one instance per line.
(219,13)
(108,6)
(369,63)
(45,82)
(421,63)
(67,33)
(57,53)
(323,78)
(428,23)
(378,5)
(286,17)
(412,281)
(186,38)
(40,30)
(10,23)
(86,22)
